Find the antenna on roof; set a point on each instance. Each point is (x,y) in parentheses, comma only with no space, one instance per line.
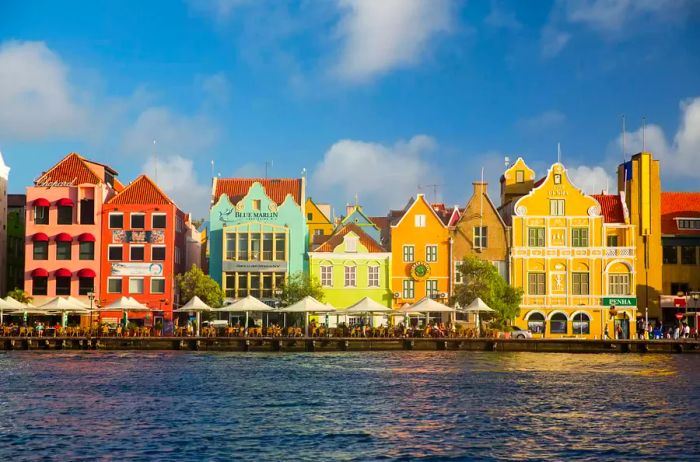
(434,187)
(644,134)
(624,154)
(270,164)
(155,157)
(558,153)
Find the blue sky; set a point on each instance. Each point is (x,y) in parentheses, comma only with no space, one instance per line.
(374,98)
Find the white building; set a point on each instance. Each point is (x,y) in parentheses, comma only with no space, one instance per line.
(4,176)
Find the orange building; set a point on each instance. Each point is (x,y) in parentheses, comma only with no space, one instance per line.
(421,254)
(143,249)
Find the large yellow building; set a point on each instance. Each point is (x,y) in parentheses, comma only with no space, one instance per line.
(573,255)
(318,221)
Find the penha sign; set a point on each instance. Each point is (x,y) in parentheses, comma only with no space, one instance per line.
(619,301)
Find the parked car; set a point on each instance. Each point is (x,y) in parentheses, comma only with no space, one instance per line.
(520,333)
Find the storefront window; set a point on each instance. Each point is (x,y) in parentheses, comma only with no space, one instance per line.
(582,324)
(558,323)
(536,323)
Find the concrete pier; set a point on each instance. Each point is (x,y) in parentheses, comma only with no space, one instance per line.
(316,344)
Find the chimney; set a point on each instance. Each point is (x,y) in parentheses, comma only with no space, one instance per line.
(480,187)
(348,209)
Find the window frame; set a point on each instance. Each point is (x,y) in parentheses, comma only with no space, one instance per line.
(540,281)
(43,217)
(155,215)
(91,244)
(65,290)
(373,276)
(408,289)
(159,279)
(143,285)
(577,286)
(431,253)
(133,247)
(326,275)
(619,287)
(419,220)
(133,215)
(62,246)
(559,210)
(61,210)
(431,288)
(159,247)
(564,323)
(412,253)
(350,276)
(480,237)
(537,237)
(121,285)
(579,237)
(45,253)
(83,289)
(44,286)
(115,215)
(115,246)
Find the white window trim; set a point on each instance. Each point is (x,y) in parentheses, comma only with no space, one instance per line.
(419,220)
(403,253)
(115,279)
(143,285)
(151,285)
(115,246)
(426,253)
(158,246)
(159,214)
(322,267)
(133,246)
(411,283)
(345,276)
(379,277)
(109,219)
(136,214)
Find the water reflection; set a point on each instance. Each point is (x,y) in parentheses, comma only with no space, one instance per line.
(346,406)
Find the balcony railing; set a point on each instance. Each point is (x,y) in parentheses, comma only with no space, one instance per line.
(608,252)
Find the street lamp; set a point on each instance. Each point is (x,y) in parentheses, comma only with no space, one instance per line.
(91,297)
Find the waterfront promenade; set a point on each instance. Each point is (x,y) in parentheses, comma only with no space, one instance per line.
(321,344)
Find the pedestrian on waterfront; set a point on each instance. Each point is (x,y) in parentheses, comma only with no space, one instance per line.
(686,330)
(618,332)
(676,332)
(607,334)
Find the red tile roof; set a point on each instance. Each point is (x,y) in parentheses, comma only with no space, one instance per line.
(380,222)
(141,191)
(679,205)
(611,207)
(276,188)
(337,239)
(72,167)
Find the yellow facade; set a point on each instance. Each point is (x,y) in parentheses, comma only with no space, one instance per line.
(318,222)
(420,254)
(571,264)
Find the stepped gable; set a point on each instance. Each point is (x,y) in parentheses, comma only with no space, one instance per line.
(337,239)
(611,207)
(141,191)
(276,188)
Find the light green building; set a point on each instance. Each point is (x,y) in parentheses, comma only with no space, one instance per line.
(350,266)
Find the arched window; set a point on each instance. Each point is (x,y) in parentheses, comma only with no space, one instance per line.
(536,323)
(582,324)
(558,323)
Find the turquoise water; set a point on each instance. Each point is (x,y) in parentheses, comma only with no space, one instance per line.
(347,406)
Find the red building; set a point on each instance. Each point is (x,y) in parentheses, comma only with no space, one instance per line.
(143,248)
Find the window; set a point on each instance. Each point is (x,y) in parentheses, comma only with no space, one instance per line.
(135,285)
(519,176)
(327,276)
(373,276)
(41,250)
(86,250)
(536,323)
(689,223)
(40,285)
(64,215)
(86,285)
(409,288)
(419,221)
(536,284)
(579,283)
(458,276)
(581,324)
(114,285)
(178,255)
(136,253)
(557,178)
(255,246)
(116,220)
(256,204)
(612,241)
(280,246)
(431,253)
(115,253)
(158,253)
(63,250)
(157,285)
(558,323)
(87,212)
(350,244)
(309,216)
(556,207)
(158,220)
(431,288)
(243,246)
(138,221)
(63,286)
(670,254)
(350,279)
(318,232)
(535,237)
(688,255)
(480,237)
(267,246)
(619,284)
(408,253)
(41,215)
(579,237)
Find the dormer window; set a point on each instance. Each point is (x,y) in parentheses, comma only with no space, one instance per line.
(256,205)
(351,244)
(557,178)
(688,223)
(519,176)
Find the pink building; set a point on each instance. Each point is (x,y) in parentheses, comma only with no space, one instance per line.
(63,226)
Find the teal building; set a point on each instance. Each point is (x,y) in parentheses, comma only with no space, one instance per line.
(355,215)
(257,235)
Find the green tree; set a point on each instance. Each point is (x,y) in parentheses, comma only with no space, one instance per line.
(300,285)
(195,282)
(481,279)
(20,295)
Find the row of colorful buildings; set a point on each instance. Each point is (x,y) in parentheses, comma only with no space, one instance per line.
(587,264)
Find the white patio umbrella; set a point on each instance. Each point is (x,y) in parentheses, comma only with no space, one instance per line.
(307,305)
(197,306)
(11,305)
(246,305)
(64,306)
(478,306)
(427,305)
(368,306)
(126,304)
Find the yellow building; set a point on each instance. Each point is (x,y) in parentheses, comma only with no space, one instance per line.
(318,220)
(574,256)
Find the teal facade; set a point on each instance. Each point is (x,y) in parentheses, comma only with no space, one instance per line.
(255,243)
(358,217)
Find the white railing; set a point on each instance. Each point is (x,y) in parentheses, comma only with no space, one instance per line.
(568,252)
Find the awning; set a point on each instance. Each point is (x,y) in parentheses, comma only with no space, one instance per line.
(63,237)
(40,273)
(41,202)
(86,273)
(65,202)
(86,237)
(40,237)
(62,273)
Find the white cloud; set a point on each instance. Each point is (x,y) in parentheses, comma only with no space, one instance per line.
(36,98)
(173,132)
(217,88)
(383,176)
(500,18)
(553,41)
(541,122)
(379,36)
(592,180)
(177,177)
(679,158)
